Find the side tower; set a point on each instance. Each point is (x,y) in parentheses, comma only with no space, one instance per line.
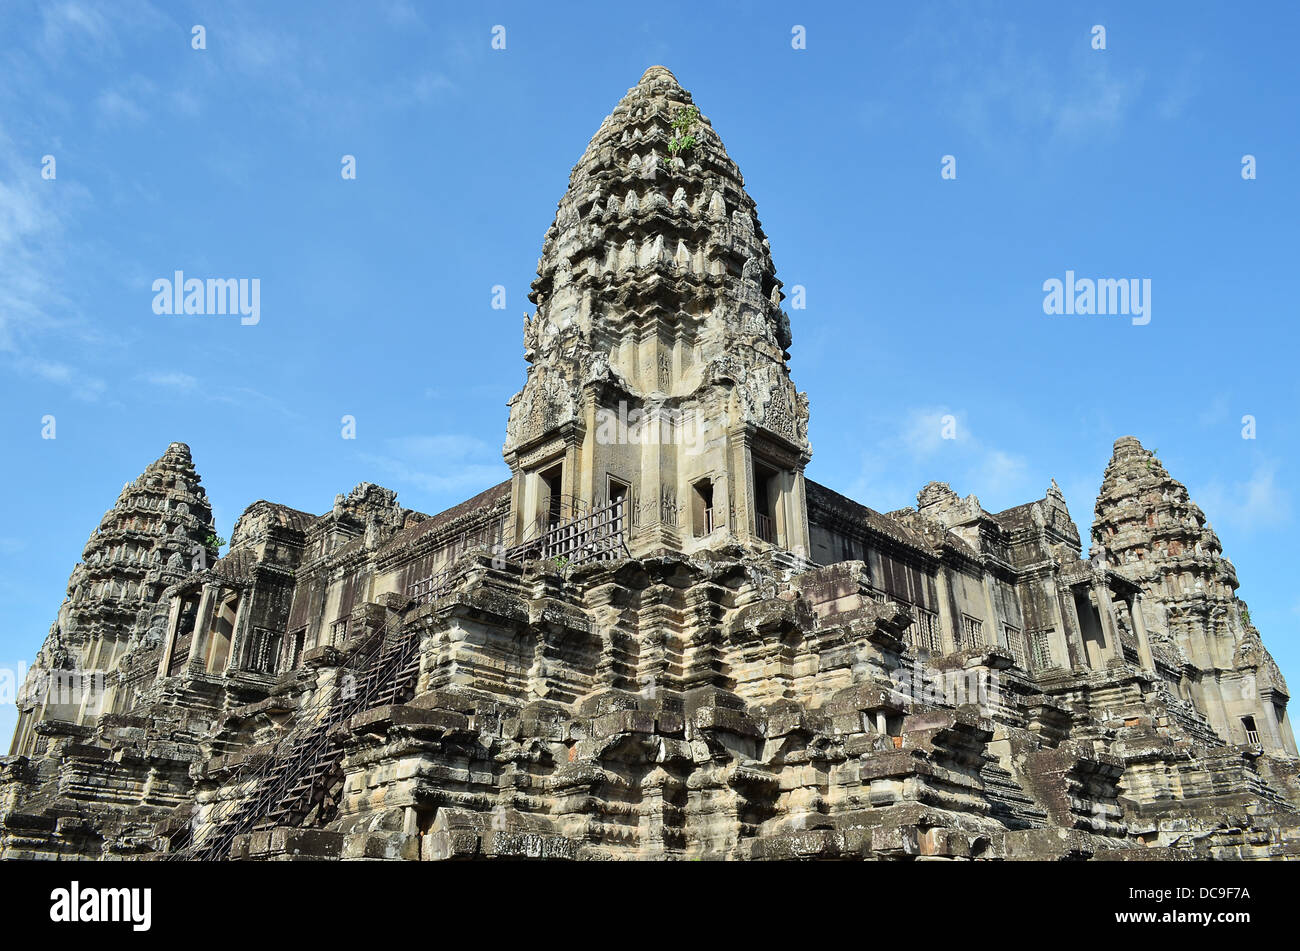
(1149,530)
(658,398)
(156,532)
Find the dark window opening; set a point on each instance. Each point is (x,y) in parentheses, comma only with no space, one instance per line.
(1252,732)
(764,513)
(702,522)
(184,636)
(618,493)
(553,486)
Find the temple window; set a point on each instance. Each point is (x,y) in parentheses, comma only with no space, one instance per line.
(618,496)
(923,632)
(702,522)
(296,645)
(1252,732)
(765,493)
(550,496)
(219,638)
(1040,649)
(184,634)
(263,651)
(339,632)
(1014,641)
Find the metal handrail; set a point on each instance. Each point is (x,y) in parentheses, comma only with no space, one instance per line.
(598,535)
(540,524)
(303,750)
(307,754)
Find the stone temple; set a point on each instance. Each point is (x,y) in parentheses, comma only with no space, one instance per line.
(658,639)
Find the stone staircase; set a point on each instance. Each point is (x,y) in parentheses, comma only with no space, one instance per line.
(1009,803)
(289,783)
(1187,718)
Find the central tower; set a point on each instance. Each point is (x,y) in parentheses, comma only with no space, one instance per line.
(658,390)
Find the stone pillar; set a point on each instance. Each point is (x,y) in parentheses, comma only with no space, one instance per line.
(993,636)
(520,506)
(800,540)
(237,633)
(202,628)
(740,501)
(1077,652)
(1140,629)
(1106,616)
(947,616)
(722,490)
(590,459)
(1059,639)
(1271,728)
(1282,728)
(169,640)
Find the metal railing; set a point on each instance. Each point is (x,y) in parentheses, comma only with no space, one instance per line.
(598,536)
(431,588)
(569,509)
(289,775)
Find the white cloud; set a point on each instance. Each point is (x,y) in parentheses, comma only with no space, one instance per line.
(121,105)
(1216,412)
(30,223)
(939,444)
(441,463)
(1006,90)
(1247,506)
(422,90)
(34,280)
(179,381)
(251,397)
(82,385)
(75,24)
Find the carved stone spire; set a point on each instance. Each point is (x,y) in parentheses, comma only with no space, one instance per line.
(656,296)
(1149,530)
(1154,534)
(159,529)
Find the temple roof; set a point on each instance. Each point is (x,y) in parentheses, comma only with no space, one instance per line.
(479,503)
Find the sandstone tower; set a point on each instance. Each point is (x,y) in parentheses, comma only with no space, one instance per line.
(658,372)
(159,528)
(1201,636)
(658,638)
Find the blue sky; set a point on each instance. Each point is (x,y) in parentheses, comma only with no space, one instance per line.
(924,295)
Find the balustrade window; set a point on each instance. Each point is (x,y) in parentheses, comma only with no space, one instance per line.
(972,632)
(297,643)
(263,651)
(1015,642)
(1040,649)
